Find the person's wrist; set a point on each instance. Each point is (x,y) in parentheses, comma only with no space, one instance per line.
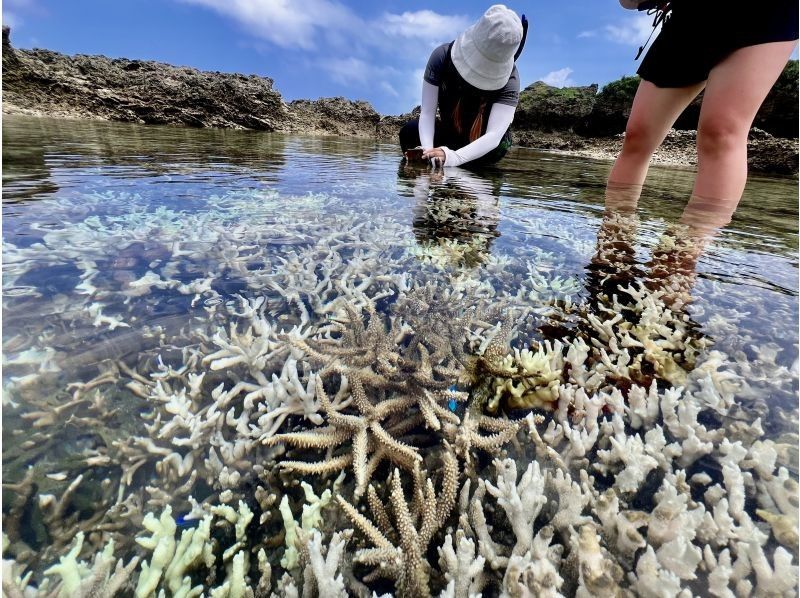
(450,157)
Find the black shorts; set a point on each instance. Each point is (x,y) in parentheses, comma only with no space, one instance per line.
(700,34)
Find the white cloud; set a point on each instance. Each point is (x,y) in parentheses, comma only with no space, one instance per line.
(632,32)
(305,24)
(346,70)
(559,78)
(283,22)
(423,24)
(375,54)
(355,72)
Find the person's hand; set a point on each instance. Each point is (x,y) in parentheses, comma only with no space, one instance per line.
(436,155)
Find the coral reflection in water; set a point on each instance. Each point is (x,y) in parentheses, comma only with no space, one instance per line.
(253,395)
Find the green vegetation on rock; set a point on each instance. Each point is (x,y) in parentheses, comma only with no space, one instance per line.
(612,108)
(548,108)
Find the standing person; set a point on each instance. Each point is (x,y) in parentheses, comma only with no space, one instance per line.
(734,51)
(475,84)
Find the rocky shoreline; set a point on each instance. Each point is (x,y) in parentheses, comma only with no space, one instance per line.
(578,121)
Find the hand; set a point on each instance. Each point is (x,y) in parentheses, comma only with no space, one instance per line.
(436,155)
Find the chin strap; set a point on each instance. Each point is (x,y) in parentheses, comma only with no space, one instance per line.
(524,37)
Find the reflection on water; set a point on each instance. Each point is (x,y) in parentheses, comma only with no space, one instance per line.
(455,215)
(194,318)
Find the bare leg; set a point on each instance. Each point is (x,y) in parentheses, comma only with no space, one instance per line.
(654,111)
(735,90)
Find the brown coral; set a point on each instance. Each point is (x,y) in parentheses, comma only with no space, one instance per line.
(399,549)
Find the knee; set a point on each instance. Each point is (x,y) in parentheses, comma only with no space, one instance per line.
(720,135)
(639,138)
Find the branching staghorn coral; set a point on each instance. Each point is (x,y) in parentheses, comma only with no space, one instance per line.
(372,439)
(532,565)
(173,561)
(466,436)
(104,577)
(233,389)
(296,535)
(399,549)
(398,379)
(321,575)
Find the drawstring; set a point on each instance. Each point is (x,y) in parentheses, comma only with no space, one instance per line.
(661,13)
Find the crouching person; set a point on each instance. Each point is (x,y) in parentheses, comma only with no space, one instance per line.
(475,85)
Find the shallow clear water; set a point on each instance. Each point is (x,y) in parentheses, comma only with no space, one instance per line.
(90,210)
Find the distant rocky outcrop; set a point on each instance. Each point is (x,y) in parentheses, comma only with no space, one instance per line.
(611,109)
(778,113)
(390,126)
(548,109)
(41,82)
(45,82)
(605,113)
(574,119)
(335,116)
(765,153)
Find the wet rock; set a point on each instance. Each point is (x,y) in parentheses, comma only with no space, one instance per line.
(565,141)
(766,153)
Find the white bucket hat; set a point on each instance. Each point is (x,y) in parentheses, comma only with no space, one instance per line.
(484,54)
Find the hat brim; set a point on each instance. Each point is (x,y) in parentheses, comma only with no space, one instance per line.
(477,69)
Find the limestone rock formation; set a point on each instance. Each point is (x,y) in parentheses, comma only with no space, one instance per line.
(335,116)
(139,91)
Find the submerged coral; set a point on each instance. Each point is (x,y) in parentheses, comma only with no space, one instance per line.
(201,376)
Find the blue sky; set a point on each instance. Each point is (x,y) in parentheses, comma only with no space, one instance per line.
(373,50)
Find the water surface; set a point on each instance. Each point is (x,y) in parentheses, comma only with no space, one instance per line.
(126,247)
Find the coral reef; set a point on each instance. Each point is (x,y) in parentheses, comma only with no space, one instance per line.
(399,550)
(264,395)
